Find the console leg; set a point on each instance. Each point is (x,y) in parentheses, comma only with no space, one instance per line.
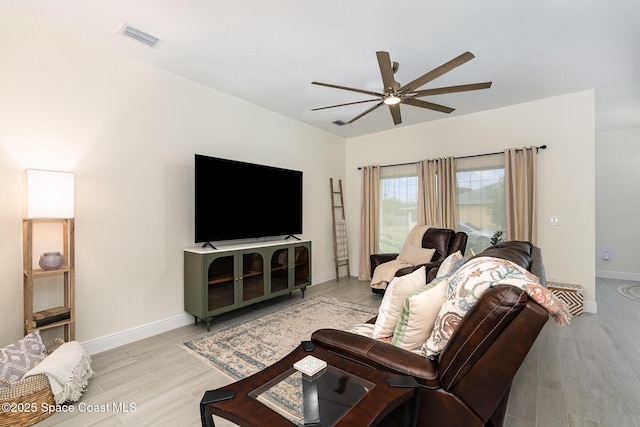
(302,290)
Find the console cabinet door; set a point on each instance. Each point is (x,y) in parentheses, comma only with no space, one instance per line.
(209,283)
(253,276)
(221,293)
(300,262)
(280,262)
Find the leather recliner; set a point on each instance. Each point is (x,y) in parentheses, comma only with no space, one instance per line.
(445,242)
(468,384)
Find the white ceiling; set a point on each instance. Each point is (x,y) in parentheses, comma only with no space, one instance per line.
(269,52)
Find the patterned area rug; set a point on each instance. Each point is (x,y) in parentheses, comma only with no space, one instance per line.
(630,291)
(244,349)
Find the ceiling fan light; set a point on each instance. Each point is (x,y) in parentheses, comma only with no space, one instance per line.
(392,100)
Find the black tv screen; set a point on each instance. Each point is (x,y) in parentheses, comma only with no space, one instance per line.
(238,200)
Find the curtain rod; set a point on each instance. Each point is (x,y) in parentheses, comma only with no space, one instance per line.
(542,147)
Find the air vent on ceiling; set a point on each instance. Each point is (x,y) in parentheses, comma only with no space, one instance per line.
(142,37)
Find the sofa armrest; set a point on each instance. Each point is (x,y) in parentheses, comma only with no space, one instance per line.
(489,345)
(378,354)
(377,259)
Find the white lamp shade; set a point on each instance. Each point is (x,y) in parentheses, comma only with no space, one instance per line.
(48,194)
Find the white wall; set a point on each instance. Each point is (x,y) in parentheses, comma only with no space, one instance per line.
(566,171)
(129,133)
(618,205)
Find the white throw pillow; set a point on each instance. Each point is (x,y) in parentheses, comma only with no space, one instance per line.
(415,255)
(418,316)
(449,264)
(393,300)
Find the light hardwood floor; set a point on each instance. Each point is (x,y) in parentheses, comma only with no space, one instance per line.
(587,374)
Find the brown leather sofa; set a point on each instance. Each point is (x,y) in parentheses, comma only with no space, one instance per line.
(468,384)
(445,242)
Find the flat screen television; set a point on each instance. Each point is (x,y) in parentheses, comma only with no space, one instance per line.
(238,200)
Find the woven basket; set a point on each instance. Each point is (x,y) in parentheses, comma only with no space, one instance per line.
(27,401)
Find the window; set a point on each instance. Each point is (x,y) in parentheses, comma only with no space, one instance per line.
(480,202)
(398,205)
(481,199)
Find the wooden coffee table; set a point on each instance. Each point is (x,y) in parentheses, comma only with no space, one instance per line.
(369,400)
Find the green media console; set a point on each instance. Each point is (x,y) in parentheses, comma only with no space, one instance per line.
(221,280)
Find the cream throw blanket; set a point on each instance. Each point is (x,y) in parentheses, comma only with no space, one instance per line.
(68,369)
(385,272)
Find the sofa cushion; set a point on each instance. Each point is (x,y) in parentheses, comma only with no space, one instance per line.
(464,288)
(415,255)
(21,356)
(450,264)
(397,291)
(418,316)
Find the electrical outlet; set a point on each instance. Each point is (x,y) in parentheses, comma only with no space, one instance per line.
(554,220)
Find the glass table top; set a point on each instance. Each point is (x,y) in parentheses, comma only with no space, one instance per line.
(320,400)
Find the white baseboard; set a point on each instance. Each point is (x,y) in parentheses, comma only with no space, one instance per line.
(620,275)
(590,307)
(324,278)
(107,342)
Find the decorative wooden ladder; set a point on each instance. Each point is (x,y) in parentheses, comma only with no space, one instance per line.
(340,248)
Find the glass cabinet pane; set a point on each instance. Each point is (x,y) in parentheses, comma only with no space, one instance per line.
(252,276)
(301,265)
(221,283)
(280,270)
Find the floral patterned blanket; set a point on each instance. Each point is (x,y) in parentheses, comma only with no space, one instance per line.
(530,283)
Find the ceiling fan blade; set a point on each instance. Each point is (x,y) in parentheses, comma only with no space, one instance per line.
(365,113)
(395,113)
(386,70)
(437,72)
(451,89)
(348,88)
(342,105)
(430,105)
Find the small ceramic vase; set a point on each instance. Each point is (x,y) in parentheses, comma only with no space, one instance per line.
(51,260)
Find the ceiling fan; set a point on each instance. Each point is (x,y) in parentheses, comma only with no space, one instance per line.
(394,94)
